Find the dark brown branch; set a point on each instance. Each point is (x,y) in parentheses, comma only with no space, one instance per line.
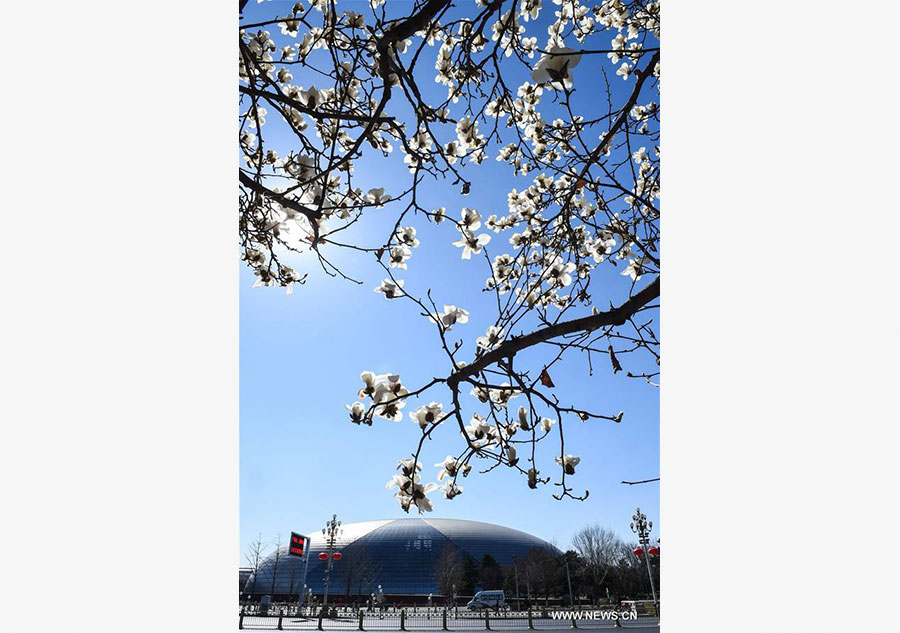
(405,29)
(272,96)
(623,113)
(509,348)
(311,214)
(643,481)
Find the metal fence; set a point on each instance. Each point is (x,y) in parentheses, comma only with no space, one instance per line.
(287,619)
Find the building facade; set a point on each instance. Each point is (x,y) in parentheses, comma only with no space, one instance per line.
(402,556)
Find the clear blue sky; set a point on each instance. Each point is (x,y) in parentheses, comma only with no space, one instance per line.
(301,460)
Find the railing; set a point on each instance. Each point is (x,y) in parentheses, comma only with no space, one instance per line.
(426,619)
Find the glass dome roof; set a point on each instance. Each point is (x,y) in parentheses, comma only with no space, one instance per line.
(401,555)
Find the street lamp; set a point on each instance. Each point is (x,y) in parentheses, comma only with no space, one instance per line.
(453,594)
(640,526)
(332,531)
(516,568)
(569,580)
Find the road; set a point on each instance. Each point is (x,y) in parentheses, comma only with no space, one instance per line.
(422,624)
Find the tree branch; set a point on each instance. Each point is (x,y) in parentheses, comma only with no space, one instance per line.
(643,481)
(405,29)
(272,96)
(615,316)
(311,214)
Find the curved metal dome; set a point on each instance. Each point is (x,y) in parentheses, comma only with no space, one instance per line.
(401,555)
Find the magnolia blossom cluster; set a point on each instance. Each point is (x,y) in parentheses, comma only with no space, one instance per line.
(387,394)
(498,396)
(410,491)
(568,463)
(587,194)
(450,317)
(470,242)
(326,188)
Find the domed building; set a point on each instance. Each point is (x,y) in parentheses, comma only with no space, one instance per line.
(403,556)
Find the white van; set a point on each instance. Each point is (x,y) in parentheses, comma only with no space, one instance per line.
(487,600)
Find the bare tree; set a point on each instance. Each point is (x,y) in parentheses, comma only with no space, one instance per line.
(361,571)
(576,265)
(541,567)
(600,550)
(255,555)
(272,563)
(449,572)
(491,573)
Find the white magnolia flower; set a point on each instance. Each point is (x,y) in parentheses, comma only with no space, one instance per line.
(416,497)
(390,289)
(358,413)
(439,214)
(624,70)
(377,197)
(568,462)
(391,410)
(640,156)
(471,219)
(284,75)
(407,236)
(406,465)
(511,455)
(399,481)
(450,467)
(311,97)
(555,68)
(502,395)
(601,247)
(479,430)
(532,478)
(368,390)
(452,151)
(389,388)
(529,44)
(426,414)
(398,256)
(410,491)
(530,9)
(471,243)
(496,109)
(451,316)
(634,269)
(559,274)
(355,20)
(491,339)
(384,387)
(291,276)
(523,419)
(482,393)
(257,114)
(546,423)
(467,133)
(450,489)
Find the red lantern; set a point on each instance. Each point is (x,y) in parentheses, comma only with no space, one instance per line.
(323,556)
(638,551)
(337,556)
(653,551)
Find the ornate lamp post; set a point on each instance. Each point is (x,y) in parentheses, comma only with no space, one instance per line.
(640,526)
(453,593)
(516,571)
(332,531)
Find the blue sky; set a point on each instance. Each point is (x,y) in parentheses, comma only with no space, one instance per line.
(301,460)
